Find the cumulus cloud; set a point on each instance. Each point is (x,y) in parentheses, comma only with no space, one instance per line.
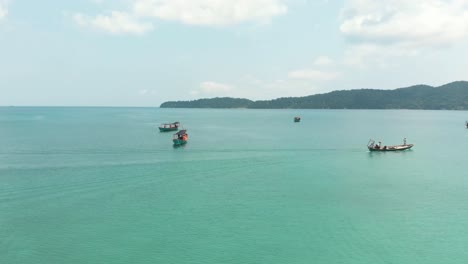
(3,9)
(369,54)
(115,23)
(311,74)
(420,22)
(191,12)
(214,87)
(210,12)
(389,30)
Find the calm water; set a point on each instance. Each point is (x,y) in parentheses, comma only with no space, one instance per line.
(102,185)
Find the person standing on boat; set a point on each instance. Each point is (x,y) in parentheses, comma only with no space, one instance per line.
(404,142)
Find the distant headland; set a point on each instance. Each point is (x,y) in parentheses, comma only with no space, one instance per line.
(452,96)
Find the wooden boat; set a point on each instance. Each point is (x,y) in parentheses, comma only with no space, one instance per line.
(297,119)
(180,138)
(169,127)
(377,147)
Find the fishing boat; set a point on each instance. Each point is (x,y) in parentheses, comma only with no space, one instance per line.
(297,119)
(180,138)
(169,127)
(378,147)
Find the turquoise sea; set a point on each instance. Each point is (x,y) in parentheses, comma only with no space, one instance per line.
(102,185)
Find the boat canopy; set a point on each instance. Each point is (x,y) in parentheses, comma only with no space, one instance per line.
(175,123)
(181,132)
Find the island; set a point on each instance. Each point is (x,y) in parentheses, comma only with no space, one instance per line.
(451,96)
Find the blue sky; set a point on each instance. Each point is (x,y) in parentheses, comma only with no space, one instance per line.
(145,52)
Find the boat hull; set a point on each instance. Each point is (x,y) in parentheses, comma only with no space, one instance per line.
(178,142)
(392,148)
(167,129)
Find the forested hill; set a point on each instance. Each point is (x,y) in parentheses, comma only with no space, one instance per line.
(452,96)
(218,102)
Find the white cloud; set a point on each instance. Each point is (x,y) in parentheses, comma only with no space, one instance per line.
(419,22)
(210,88)
(115,23)
(214,87)
(384,32)
(210,12)
(192,12)
(255,88)
(145,92)
(369,54)
(323,61)
(311,74)
(3,9)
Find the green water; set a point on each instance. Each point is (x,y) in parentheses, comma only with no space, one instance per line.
(102,185)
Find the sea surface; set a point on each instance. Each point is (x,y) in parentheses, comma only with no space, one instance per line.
(103,185)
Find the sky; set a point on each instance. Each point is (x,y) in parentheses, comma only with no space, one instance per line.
(145,52)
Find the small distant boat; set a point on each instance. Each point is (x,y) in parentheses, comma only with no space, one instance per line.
(169,127)
(466,124)
(297,119)
(377,147)
(180,138)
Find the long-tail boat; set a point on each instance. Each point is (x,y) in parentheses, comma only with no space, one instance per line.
(169,127)
(378,147)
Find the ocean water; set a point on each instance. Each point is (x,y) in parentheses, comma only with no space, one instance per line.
(102,185)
